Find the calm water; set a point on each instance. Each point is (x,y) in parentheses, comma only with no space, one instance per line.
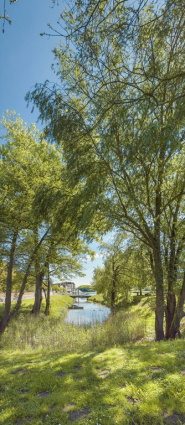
(90,314)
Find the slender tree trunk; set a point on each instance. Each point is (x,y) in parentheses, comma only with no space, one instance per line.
(159,312)
(19,300)
(179,313)
(38,294)
(158,269)
(113,290)
(39,279)
(171,267)
(170,312)
(48,296)
(171,298)
(45,293)
(6,314)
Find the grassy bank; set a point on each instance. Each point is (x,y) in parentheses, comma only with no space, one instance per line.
(121,303)
(52,333)
(57,302)
(140,308)
(97,299)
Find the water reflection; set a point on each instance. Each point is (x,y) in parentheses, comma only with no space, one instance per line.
(91,313)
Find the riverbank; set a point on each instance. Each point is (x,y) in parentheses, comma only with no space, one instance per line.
(27,332)
(57,302)
(141,305)
(52,333)
(98,298)
(121,303)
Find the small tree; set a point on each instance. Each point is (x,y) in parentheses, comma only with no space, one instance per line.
(114,279)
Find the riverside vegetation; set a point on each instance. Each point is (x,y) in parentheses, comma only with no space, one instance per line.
(110,373)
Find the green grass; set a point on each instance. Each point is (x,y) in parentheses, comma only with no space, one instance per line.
(121,302)
(96,298)
(57,303)
(60,372)
(144,384)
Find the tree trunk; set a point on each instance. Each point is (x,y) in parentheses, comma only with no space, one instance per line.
(158,269)
(6,314)
(113,291)
(172,278)
(18,304)
(179,313)
(48,297)
(39,278)
(38,294)
(169,312)
(159,311)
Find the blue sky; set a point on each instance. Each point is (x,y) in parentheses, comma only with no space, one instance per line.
(26,59)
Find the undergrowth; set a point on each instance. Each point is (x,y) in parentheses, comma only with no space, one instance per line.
(52,333)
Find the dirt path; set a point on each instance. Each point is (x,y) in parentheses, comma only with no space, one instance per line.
(26,296)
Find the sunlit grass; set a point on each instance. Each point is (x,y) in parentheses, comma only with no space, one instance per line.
(96,298)
(129,384)
(110,374)
(56,303)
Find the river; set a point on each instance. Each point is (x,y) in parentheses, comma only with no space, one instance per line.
(90,314)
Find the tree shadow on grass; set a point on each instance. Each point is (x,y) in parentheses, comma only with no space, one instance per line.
(79,380)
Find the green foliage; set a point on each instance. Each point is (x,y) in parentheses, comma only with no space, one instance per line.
(27,162)
(17,277)
(56,288)
(114,279)
(36,206)
(98,298)
(139,266)
(86,288)
(3,275)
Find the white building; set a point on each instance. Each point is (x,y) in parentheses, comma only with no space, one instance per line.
(69,286)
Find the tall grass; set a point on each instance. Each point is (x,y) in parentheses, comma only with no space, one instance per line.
(51,333)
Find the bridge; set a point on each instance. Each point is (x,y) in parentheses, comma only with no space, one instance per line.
(76,294)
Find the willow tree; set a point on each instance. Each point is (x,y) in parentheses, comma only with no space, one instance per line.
(118,113)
